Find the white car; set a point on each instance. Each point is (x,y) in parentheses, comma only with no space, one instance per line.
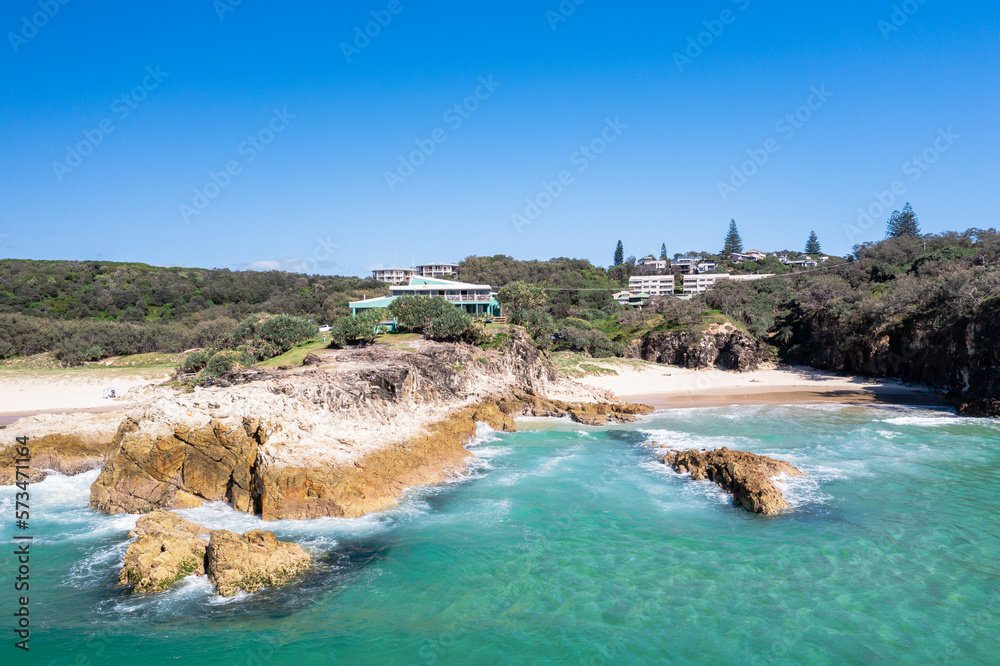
(324,329)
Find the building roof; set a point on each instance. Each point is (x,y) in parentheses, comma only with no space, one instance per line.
(380,302)
(438,263)
(393,268)
(426,284)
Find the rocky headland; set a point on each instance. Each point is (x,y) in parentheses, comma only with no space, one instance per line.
(746,476)
(339,438)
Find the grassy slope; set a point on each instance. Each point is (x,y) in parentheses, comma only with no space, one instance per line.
(296,354)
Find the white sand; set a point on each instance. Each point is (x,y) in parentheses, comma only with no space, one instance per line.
(23,393)
(667,386)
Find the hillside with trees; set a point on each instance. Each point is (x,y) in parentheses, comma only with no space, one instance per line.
(570,285)
(87,310)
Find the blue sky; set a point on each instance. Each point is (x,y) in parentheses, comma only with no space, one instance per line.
(641,110)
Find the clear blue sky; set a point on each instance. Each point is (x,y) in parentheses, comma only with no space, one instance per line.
(317,196)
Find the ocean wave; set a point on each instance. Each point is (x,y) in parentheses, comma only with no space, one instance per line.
(684,441)
(98,567)
(924,421)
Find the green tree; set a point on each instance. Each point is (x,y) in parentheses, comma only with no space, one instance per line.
(520,296)
(903,223)
(415,313)
(619,254)
(734,243)
(363,328)
(663,251)
(812,245)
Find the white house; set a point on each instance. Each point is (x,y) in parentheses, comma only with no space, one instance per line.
(752,255)
(649,263)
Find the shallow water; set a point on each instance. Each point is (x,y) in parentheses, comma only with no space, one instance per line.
(569,544)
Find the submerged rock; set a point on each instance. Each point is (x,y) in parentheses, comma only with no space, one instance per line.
(252,561)
(745,476)
(167,549)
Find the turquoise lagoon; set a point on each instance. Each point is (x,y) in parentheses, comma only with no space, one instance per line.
(568,544)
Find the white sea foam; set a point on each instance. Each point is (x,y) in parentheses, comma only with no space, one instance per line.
(685,441)
(924,421)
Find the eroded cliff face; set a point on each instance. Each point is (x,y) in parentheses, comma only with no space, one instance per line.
(721,345)
(961,358)
(54,447)
(341,440)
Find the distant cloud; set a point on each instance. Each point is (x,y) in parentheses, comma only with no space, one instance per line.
(291,264)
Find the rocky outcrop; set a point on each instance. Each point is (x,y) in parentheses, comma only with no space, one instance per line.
(957,355)
(745,476)
(251,561)
(167,548)
(721,345)
(162,463)
(338,442)
(54,448)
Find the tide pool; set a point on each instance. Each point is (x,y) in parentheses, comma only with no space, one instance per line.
(569,544)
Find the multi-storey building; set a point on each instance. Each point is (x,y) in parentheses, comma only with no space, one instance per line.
(436,270)
(394,274)
(699,284)
(473,298)
(654,285)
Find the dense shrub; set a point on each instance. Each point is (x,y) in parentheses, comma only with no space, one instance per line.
(359,329)
(591,341)
(415,313)
(449,325)
(269,335)
(196,361)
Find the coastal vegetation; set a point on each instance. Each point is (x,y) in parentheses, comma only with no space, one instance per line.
(258,338)
(89,310)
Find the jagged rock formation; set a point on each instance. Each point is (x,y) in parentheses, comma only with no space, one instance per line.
(251,561)
(340,442)
(169,548)
(721,345)
(54,447)
(745,476)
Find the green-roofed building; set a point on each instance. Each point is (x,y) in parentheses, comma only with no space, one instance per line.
(476,299)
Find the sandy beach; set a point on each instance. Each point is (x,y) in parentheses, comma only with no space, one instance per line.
(666,387)
(24,393)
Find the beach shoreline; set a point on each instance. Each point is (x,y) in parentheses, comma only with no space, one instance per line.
(669,387)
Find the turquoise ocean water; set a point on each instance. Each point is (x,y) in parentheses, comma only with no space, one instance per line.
(569,544)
